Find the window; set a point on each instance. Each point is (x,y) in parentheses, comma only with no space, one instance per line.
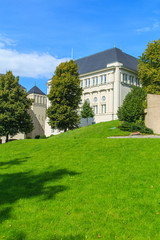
(88,82)
(131,80)
(95,99)
(88,100)
(96,80)
(37,99)
(103,108)
(93,81)
(95,109)
(101,79)
(82,83)
(137,82)
(103,98)
(105,78)
(124,77)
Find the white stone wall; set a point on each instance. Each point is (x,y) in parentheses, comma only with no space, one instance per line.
(152,118)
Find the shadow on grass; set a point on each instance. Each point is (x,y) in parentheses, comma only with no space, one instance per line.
(18,236)
(16,161)
(4,214)
(70,237)
(26,185)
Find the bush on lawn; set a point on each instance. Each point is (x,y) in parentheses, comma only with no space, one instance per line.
(135,127)
(42,136)
(37,136)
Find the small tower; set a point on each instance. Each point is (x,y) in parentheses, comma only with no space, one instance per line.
(37,111)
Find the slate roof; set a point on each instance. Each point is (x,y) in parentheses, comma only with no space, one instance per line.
(22,87)
(100,60)
(36,90)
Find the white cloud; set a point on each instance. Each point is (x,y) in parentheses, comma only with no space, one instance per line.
(2,45)
(145,29)
(154,27)
(7,41)
(28,64)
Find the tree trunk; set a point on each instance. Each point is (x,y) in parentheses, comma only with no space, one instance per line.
(87,122)
(65,130)
(7,138)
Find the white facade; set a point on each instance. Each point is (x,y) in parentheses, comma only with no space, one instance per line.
(105,89)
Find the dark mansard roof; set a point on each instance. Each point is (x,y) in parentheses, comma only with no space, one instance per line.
(100,60)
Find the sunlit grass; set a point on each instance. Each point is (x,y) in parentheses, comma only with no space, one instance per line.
(80,185)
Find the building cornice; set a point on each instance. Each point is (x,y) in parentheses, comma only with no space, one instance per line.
(108,69)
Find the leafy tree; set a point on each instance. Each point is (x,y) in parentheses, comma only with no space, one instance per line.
(13,107)
(132,109)
(87,111)
(65,96)
(149,68)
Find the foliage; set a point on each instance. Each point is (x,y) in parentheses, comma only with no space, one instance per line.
(134,127)
(132,108)
(37,137)
(149,68)
(78,188)
(87,111)
(65,96)
(14,104)
(42,136)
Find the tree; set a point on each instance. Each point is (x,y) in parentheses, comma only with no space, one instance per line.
(65,96)
(133,106)
(13,107)
(87,111)
(149,68)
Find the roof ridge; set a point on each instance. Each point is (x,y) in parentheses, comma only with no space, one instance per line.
(34,89)
(99,53)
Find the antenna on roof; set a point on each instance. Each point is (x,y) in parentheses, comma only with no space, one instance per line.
(72,54)
(114,44)
(120,48)
(35,83)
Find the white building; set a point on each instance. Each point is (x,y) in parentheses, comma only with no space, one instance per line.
(106,78)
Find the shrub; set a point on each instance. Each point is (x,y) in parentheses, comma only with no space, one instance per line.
(42,136)
(132,109)
(135,127)
(37,136)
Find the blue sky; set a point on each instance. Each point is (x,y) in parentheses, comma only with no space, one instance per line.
(36,35)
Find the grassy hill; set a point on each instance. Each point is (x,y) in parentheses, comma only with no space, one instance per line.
(80,185)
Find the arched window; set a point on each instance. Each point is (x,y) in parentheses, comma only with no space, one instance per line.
(95,99)
(103,98)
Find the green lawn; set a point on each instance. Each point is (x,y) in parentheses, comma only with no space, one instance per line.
(80,185)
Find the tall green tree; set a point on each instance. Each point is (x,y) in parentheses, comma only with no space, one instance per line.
(149,68)
(133,106)
(14,104)
(87,111)
(65,95)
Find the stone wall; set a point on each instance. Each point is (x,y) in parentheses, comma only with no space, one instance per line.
(152,118)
